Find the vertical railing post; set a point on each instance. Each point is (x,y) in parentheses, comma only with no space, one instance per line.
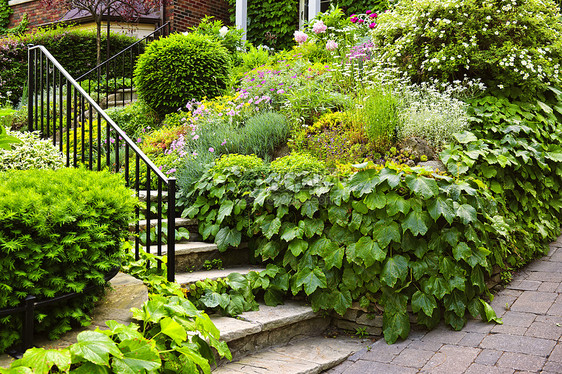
(30,86)
(171,254)
(28,322)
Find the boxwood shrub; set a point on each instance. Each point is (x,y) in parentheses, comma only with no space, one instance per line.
(178,68)
(60,231)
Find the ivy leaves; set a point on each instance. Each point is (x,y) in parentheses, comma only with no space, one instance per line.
(411,233)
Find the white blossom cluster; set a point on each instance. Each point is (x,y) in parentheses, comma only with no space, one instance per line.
(33,153)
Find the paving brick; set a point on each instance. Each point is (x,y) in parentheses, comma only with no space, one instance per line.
(476,368)
(451,359)
(548,287)
(518,319)
(472,339)
(362,367)
(552,367)
(382,352)
(425,345)
(509,329)
(544,330)
(521,361)
(415,358)
(524,285)
(555,255)
(555,309)
(556,354)
(533,302)
(545,276)
(518,344)
(477,325)
(545,266)
(445,335)
(488,357)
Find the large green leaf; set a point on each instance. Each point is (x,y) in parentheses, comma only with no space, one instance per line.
(441,207)
(270,226)
(391,177)
(396,203)
(341,301)
(309,207)
(312,227)
(195,356)
(95,347)
(123,331)
(426,303)
(339,215)
(394,268)
(423,186)
(298,246)
(225,210)
(466,213)
(334,258)
(417,222)
(269,249)
(138,356)
(395,325)
(385,232)
(363,182)
(42,360)
(365,252)
(290,231)
(456,302)
(489,314)
(462,251)
(311,279)
(90,368)
(173,329)
(375,200)
(228,237)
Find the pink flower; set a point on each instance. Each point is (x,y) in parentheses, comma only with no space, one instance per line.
(224,142)
(319,27)
(372,25)
(211,149)
(331,45)
(196,137)
(280,91)
(373,15)
(361,21)
(300,37)
(353,19)
(368,12)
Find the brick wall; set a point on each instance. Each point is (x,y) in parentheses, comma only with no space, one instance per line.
(187,13)
(37,14)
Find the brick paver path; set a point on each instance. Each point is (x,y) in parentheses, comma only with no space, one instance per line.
(529,341)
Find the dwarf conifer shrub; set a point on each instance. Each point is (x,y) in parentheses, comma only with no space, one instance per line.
(60,231)
(179,68)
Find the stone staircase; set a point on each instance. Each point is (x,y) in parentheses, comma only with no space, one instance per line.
(119,98)
(287,338)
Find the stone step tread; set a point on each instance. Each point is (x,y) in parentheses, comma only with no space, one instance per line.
(307,356)
(180,222)
(153,195)
(266,318)
(184,278)
(186,248)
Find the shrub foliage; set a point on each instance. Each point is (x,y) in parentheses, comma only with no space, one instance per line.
(60,231)
(178,68)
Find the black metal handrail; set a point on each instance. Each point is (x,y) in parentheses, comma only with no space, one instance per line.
(114,76)
(61,109)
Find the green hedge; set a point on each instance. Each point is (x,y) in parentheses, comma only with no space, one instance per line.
(60,231)
(75,50)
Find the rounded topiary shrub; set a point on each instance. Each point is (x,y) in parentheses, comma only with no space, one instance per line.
(505,43)
(178,68)
(60,232)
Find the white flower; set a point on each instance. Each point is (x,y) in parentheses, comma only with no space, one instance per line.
(223,31)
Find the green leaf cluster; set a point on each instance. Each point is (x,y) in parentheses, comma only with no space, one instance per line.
(514,147)
(179,68)
(60,231)
(394,236)
(169,336)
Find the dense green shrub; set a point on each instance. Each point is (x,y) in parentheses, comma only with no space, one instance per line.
(503,43)
(75,50)
(391,236)
(60,231)
(179,68)
(135,119)
(230,37)
(32,153)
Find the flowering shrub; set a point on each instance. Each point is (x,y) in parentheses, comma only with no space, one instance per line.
(32,153)
(506,43)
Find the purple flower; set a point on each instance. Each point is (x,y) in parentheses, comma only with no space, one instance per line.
(224,142)
(211,149)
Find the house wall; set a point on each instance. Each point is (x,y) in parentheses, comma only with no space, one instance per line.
(37,14)
(187,13)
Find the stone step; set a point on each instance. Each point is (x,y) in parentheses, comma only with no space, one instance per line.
(191,255)
(269,326)
(180,222)
(184,278)
(153,195)
(306,356)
